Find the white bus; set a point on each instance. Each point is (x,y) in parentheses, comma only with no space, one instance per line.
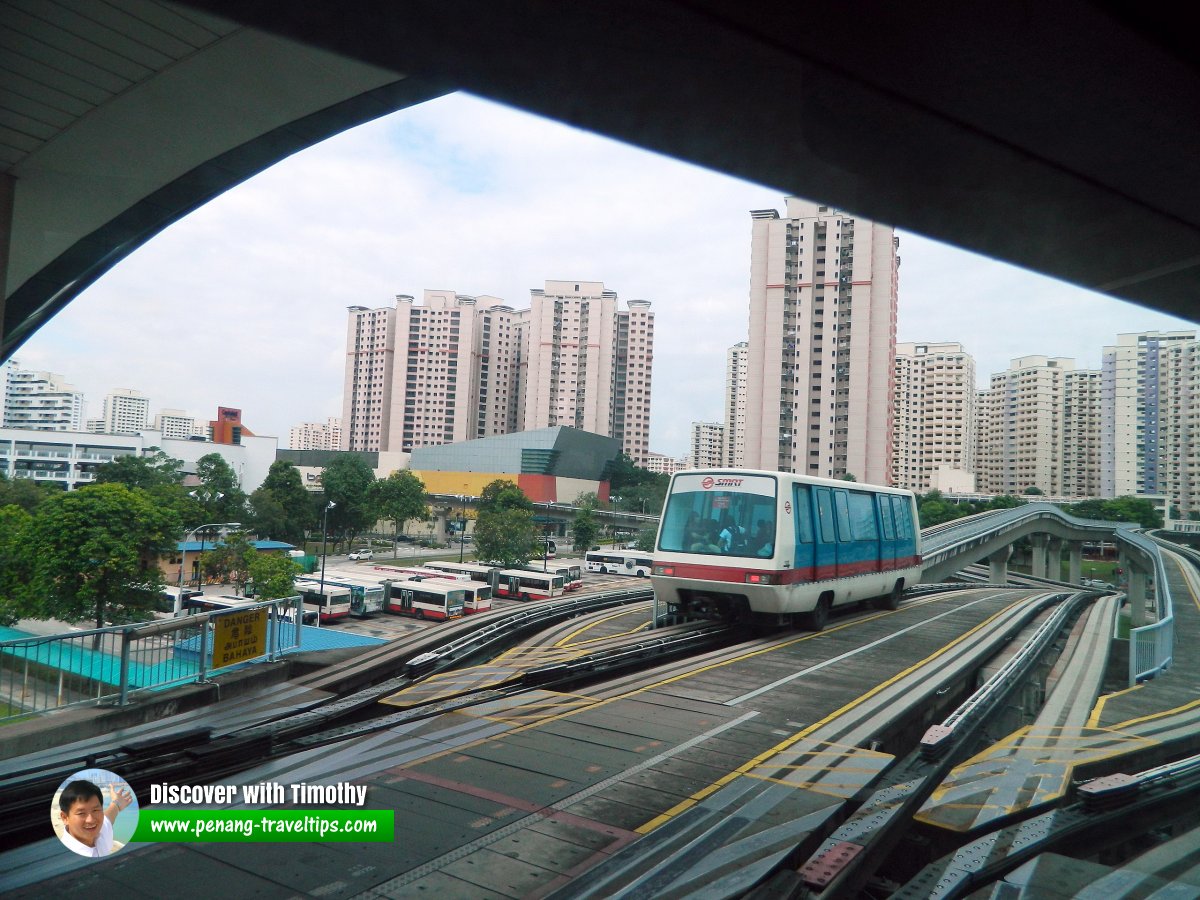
(620,562)
(427,599)
(332,604)
(521,584)
(570,569)
(476,571)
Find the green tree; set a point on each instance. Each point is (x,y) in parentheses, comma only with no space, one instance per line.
(585,528)
(273,575)
(1033,491)
(229,561)
(400,497)
(24,492)
(347,482)
(152,470)
(849,477)
(286,487)
(95,554)
(267,517)
(504,529)
(16,564)
(222,497)
(646,538)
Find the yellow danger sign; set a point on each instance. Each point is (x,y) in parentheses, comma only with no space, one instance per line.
(239,636)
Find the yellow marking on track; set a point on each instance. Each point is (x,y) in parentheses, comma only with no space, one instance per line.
(570,638)
(800,735)
(1158,715)
(1098,710)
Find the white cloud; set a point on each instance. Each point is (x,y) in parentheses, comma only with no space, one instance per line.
(243,302)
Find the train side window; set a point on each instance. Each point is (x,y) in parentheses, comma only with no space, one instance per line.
(843,515)
(862,517)
(825,514)
(904,527)
(804,528)
(886,518)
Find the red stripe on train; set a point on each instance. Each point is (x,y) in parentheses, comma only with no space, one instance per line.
(702,572)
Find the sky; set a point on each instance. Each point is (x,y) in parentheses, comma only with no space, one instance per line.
(243,302)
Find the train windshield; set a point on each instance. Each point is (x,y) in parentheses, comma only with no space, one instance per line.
(720,514)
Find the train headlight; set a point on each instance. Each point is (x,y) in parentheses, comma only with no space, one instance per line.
(761,578)
(664,570)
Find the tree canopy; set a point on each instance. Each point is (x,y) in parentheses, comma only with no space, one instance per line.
(504,529)
(285,487)
(95,551)
(400,497)
(585,528)
(220,492)
(347,482)
(273,575)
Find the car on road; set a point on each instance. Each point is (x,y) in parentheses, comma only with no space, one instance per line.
(364,553)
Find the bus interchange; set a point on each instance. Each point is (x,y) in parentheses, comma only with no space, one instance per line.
(831,751)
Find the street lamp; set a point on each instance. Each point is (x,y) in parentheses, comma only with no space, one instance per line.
(183,554)
(324,536)
(462,525)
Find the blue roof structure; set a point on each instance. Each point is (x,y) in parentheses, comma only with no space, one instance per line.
(189,546)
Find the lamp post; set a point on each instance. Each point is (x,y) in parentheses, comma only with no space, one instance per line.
(462,525)
(324,536)
(183,554)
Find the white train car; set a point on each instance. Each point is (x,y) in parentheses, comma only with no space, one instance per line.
(782,548)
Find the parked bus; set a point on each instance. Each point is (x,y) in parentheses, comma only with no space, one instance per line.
(329,605)
(570,569)
(405,572)
(217,603)
(521,584)
(367,595)
(477,597)
(620,562)
(476,571)
(427,599)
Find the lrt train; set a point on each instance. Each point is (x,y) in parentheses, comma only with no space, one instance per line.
(782,549)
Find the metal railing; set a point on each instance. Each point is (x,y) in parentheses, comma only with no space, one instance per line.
(111,665)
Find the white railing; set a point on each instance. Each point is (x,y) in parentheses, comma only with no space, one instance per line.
(110,665)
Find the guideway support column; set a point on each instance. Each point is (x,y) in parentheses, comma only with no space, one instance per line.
(1054,549)
(1039,542)
(1075,562)
(998,565)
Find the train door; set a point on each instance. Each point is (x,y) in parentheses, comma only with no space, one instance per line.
(804,555)
(887,529)
(825,548)
(845,547)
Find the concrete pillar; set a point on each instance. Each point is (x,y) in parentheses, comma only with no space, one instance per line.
(1054,548)
(1039,542)
(1076,562)
(1137,596)
(998,565)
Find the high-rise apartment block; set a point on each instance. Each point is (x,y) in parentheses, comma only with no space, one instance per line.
(1178,473)
(822,343)
(708,444)
(661,464)
(934,415)
(178,425)
(41,401)
(126,412)
(1081,433)
(1020,427)
(1132,385)
(736,360)
(367,387)
(456,368)
(316,435)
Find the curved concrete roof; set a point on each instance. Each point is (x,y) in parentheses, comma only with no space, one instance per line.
(118,118)
(1058,136)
